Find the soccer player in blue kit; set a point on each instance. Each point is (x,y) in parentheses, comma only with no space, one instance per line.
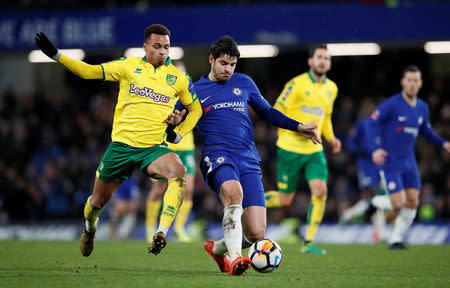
(368,177)
(398,121)
(230,162)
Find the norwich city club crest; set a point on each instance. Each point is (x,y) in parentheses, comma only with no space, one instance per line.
(171,79)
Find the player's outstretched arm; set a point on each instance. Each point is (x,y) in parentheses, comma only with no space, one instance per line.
(309,130)
(78,67)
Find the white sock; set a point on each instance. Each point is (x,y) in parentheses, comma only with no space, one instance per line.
(232,230)
(127,225)
(220,247)
(403,221)
(379,223)
(356,210)
(162,229)
(92,228)
(382,202)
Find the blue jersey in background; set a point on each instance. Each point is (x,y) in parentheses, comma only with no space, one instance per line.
(358,145)
(397,124)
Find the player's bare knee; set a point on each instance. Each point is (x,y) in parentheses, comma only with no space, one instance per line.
(398,204)
(178,171)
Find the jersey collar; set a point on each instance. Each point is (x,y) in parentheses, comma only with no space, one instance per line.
(314,81)
(167,63)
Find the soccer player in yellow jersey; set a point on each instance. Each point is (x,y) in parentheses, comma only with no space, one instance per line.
(309,97)
(186,150)
(149,88)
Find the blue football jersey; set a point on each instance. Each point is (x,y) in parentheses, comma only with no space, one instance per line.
(225,123)
(397,124)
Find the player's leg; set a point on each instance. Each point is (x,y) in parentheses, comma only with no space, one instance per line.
(114,167)
(129,219)
(119,208)
(188,159)
(167,166)
(153,207)
(316,173)
(94,206)
(185,210)
(289,165)
(231,195)
(404,218)
(411,182)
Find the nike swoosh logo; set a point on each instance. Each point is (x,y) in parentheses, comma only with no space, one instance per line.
(201,101)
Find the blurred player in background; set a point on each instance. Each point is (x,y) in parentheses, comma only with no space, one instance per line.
(309,97)
(230,162)
(124,209)
(397,122)
(149,88)
(368,176)
(186,150)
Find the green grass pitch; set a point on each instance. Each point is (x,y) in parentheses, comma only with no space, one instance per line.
(127,264)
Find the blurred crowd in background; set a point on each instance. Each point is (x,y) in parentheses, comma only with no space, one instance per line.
(51,146)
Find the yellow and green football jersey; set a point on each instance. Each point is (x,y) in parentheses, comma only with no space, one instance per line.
(147,96)
(305,100)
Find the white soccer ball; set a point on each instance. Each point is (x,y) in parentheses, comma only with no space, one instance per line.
(266,255)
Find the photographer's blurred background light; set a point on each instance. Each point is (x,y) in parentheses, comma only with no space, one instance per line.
(36,56)
(258,51)
(440,47)
(353,49)
(175,53)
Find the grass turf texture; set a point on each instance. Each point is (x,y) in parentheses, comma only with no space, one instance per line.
(127,264)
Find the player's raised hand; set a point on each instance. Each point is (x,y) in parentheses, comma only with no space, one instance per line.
(336,145)
(379,156)
(309,130)
(45,45)
(175,117)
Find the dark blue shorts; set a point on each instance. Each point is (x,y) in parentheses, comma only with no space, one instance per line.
(221,167)
(368,176)
(396,179)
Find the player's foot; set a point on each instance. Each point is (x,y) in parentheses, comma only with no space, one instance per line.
(240,265)
(223,261)
(182,236)
(397,246)
(312,249)
(87,240)
(158,243)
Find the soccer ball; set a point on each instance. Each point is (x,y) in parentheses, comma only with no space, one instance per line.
(266,255)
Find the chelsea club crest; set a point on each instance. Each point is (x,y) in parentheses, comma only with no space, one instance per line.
(237,91)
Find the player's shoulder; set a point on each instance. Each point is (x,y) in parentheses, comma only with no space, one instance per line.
(330,83)
(422,104)
(241,77)
(299,78)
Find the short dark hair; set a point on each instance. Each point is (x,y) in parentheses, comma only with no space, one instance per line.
(410,68)
(225,45)
(313,49)
(156,29)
